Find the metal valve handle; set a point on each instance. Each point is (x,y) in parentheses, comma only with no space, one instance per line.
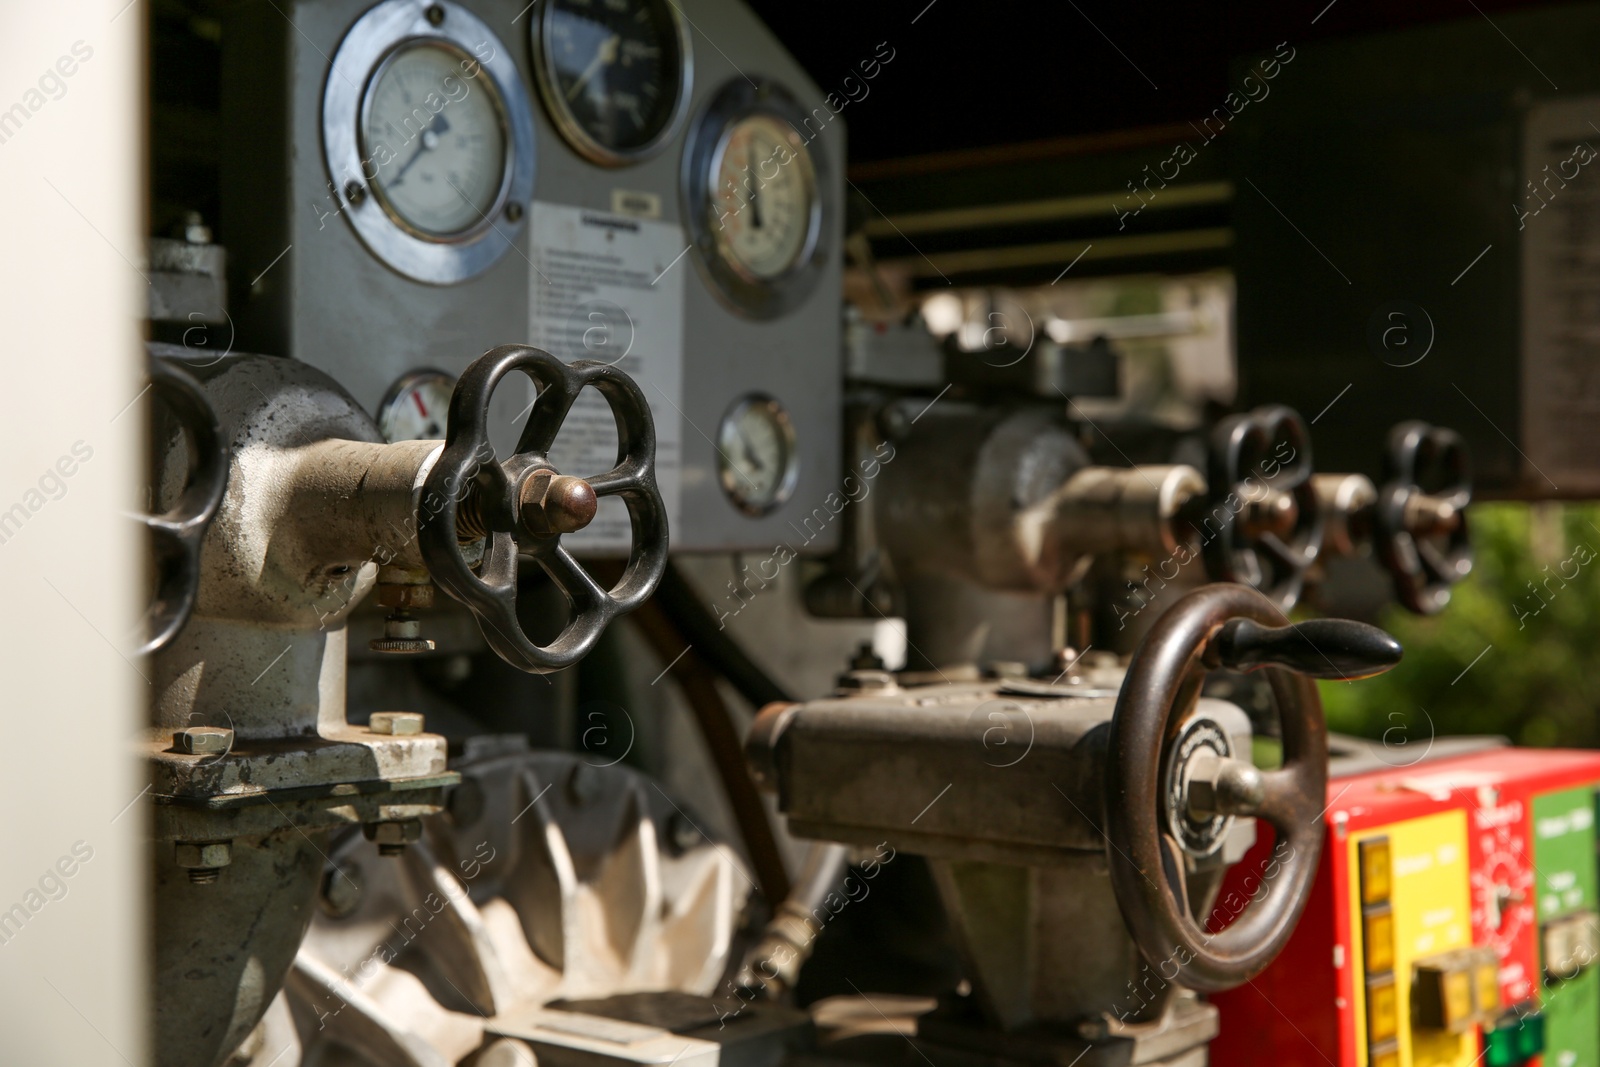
(175,536)
(1238,628)
(523,505)
(1420,521)
(1262,525)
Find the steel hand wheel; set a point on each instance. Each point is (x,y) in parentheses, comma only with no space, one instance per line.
(175,536)
(523,505)
(1261,525)
(1420,521)
(1223,626)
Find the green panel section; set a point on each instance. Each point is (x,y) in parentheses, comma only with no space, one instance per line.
(1565,875)
(1572,1021)
(1563,851)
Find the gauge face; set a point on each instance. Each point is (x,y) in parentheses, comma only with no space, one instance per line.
(759,464)
(764,195)
(436,140)
(613,73)
(417,407)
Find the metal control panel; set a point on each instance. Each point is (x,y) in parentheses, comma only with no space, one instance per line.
(653,184)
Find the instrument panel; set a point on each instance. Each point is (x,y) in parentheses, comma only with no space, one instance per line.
(593,177)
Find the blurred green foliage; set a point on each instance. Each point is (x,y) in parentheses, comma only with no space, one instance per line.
(1533,601)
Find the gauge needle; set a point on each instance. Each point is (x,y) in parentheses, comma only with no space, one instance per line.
(606,55)
(750,454)
(428,140)
(755,190)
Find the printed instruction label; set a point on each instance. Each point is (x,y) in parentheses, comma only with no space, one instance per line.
(611,288)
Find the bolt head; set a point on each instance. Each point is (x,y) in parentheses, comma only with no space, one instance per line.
(684,833)
(583,784)
(203,857)
(396,723)
(340,893)
(203,740)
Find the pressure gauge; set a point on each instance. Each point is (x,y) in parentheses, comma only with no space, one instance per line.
(428,132)
(758,462)
(614,74)
(444,170)
(757,199)
(766,193)
(416,407)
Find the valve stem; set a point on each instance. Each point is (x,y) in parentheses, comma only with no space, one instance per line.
(402,629)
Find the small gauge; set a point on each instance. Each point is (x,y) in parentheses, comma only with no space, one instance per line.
(614,74)
(758,461)
(416,407)
(441,171)
(757,198)
(427,132)
(766,192)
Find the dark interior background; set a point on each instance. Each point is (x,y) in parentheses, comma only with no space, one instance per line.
(968,75)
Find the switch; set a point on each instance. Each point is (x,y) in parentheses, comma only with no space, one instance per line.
(1376,883)
(1377,938)
(1383,1009)
(1441,994)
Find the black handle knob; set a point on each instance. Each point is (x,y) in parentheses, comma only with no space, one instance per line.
(1341,649)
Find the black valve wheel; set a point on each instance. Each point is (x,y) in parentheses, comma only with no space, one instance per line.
(1261,526)
(175,535)
(523,505)
(1421,516)
(1225,626)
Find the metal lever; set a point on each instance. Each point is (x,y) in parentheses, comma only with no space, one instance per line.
(1341,649)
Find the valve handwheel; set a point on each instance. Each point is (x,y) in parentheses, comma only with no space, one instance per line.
(1420,521)
(523,505)
(1264,526)
(175,536)
(1233,627)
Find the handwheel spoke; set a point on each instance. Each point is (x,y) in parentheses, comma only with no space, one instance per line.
(574,580)
(619,479)
(549,412)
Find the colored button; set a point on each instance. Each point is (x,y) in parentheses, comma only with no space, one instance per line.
(1377,883)
(1377,938)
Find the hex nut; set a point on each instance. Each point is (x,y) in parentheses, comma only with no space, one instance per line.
(203,740)
(208,856)
(396,723)
(393,836)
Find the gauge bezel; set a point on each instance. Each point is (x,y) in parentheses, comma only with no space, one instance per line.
(567,124)
(780,417)
(747,293)
(403,385)
(385,31)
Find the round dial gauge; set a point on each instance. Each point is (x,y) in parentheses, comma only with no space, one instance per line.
(759,464)
(765,198)
(416,407)
(613,73)
(436,141)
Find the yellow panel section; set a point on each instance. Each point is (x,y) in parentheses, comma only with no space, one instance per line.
(1432,913)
